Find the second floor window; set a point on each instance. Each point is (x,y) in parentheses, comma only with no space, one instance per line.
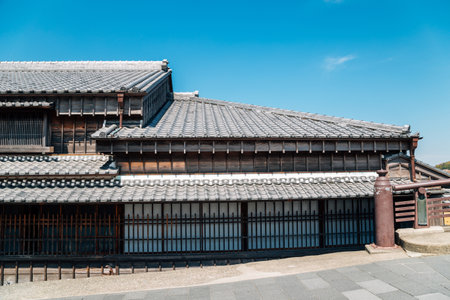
(21,128)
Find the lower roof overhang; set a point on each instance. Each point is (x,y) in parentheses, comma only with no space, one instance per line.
(193,188)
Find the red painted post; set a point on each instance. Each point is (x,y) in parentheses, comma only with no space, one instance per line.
(384,211)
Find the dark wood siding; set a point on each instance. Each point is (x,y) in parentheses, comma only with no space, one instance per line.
(72,134)
(246,162)
(177,145)
(98,106)
(154,101)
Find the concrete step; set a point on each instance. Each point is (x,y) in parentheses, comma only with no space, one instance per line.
(433,240)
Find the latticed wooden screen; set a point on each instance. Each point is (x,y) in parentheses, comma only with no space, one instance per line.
(21,129)
(192,227)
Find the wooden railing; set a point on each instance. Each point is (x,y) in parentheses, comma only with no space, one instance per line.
(424,208)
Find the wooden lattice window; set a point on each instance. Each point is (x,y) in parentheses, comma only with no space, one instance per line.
(22,130)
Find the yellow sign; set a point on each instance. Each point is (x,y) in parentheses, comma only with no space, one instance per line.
(447,219)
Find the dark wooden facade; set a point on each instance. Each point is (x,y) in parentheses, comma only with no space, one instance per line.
(155,228)
(223,162)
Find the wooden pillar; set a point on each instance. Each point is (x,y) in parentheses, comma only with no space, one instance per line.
(244,226)
(44,130)
(412,150)
(120,97)
(321,203)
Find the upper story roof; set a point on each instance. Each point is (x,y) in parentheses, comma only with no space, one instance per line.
(189,116)
(81,76)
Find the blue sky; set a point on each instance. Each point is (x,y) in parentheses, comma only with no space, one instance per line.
(382,61)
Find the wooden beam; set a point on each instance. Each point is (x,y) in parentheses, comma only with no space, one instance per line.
(25,149)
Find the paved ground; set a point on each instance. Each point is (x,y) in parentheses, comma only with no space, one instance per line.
(410,278)
(337,275)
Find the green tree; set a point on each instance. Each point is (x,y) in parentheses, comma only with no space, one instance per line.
(445,165)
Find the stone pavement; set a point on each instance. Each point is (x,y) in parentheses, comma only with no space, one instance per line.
(410,278)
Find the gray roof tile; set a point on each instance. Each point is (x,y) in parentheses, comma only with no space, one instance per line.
(25,103)
(82,76)
(193,117)
(262,187)
(56,165)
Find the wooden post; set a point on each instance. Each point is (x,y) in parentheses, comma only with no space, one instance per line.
(321,223)
(120,97)
(244,226)
(44,130)
(17,272)
(413,147)
(384,211)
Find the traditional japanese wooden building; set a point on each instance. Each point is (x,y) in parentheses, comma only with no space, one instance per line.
(104,159)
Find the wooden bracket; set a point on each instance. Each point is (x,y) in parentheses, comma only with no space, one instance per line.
(412,151)
(120,97)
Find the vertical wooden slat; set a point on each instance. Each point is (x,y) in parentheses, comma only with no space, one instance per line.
(31,272)
(62,136)
(44,129)
(2,275)
(244,226)
(321,223)
(128,232)
(2,234)
(148,233)
(16,272)
(52,228)
(77,217)
(15,237)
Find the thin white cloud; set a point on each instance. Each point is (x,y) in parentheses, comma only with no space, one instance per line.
(331,63)
(387,59)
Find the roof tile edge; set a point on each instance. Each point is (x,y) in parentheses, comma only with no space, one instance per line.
(83,65)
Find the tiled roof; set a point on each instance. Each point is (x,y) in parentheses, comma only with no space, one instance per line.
(419,163)
(59,165)
(193,117)
(25,103)
(81,76)
(171,188)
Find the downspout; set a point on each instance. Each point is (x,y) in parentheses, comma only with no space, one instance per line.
(412,150)
(120,97)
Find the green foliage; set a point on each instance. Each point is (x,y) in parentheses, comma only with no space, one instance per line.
(443,166)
